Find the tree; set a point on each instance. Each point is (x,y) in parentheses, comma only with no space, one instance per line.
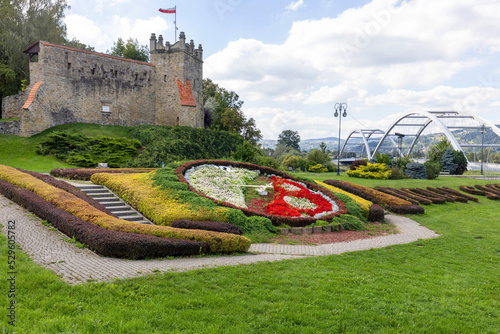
(317,156)
(289,138)
(130,50)
(23,23)
(224,108)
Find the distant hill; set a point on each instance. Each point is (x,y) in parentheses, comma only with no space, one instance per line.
(308,144)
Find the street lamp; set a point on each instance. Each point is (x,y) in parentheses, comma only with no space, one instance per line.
(400,148)
(340,111)
(483,130)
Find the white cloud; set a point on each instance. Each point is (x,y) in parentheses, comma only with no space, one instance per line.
(294,5)
(386,43)
(103,34)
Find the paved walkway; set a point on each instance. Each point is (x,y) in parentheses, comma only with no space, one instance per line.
(47,247)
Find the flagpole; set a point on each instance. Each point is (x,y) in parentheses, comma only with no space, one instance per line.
(175,23)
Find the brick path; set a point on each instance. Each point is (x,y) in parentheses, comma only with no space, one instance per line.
(46,246)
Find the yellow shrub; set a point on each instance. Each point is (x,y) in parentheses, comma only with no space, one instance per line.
(364,204)
(218,242)
(159,205)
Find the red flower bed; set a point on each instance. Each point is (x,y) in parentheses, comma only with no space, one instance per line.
(281,208)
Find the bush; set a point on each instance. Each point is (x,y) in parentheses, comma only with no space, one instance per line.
(88,152)
(382,158)
(317,169)
(317,156)
(396,174)
(370,171)
(416,170)
(85,173)
(357,163)
(294,161)
(447,161)
(432,169)
(207,226)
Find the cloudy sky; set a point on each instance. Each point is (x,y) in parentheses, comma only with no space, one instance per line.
(291,61)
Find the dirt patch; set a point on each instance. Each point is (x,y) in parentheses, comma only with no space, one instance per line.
(374,230)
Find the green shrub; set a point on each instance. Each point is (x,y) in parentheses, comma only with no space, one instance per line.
(396,174)
(357,163)
(432,169)
(293,161)
(317,156)
(88,152)
(416,170)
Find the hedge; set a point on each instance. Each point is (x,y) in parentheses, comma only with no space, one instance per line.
(84,174)
(427,194)
(102,241)
(219,242)
(69,188)
(408,196)
(479,191)
(207,226)
(391,203)
(276,220)
(371,211)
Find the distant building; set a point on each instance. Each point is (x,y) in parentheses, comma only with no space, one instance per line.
(69,85)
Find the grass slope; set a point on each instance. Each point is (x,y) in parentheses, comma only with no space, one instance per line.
(20,152)
(444,285)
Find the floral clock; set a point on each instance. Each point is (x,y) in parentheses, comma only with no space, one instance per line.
(263,191)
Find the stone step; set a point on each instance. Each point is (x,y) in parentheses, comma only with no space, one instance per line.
(86,188)
(118,208)
(125,213)
(100,195)
(132,218)
(103,200)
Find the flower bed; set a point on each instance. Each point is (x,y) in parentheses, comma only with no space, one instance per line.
(100,240)
(218,242)
(295,202)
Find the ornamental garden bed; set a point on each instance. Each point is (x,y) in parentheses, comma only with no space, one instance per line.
(261,191)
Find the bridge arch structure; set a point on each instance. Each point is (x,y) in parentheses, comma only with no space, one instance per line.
(410,126)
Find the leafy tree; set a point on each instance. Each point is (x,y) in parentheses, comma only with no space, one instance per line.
(317,156)
(225,112)
(289,138)
(130,50)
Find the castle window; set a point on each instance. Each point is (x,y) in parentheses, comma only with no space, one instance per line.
(92,71)
(116,73)
(165,78)
(105,106)
(136,76)
(69,66)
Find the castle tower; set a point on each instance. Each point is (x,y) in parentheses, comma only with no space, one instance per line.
(178,81)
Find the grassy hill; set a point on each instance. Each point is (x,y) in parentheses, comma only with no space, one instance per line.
(20,152)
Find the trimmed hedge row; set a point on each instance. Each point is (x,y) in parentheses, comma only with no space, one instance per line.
(207,226)
(391,203)
(276,220)
(480,190)
(84,174)
(406,195)
(433,195)
(218,242)
(102,241)
(69,188)
(371,211)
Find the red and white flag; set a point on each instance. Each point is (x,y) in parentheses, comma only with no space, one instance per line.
(168,10)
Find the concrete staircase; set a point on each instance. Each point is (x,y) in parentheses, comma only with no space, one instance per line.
(114,204)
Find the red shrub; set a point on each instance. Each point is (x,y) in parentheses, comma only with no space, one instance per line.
(102,241)
(376,213)
(207,226)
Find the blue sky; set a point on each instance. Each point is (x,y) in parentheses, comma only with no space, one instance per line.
(291,61)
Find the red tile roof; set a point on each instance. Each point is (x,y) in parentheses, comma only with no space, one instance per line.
(31,97)
(186,94)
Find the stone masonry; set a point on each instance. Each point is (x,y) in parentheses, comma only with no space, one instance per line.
(69,85)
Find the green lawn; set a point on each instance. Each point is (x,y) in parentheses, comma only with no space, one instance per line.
(20,152)
(444,285)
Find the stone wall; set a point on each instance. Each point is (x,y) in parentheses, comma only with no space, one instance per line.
(12,105)
(10,127)
(85,87)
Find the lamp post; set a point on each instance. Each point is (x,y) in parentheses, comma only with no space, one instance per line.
(340,111)
(483,130)
(400,148)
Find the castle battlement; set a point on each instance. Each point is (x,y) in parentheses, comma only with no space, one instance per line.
(69,85)
(156,46)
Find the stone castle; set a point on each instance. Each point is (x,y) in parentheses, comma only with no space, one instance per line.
(69,85)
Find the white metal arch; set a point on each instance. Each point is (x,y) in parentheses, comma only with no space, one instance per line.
(365,135)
